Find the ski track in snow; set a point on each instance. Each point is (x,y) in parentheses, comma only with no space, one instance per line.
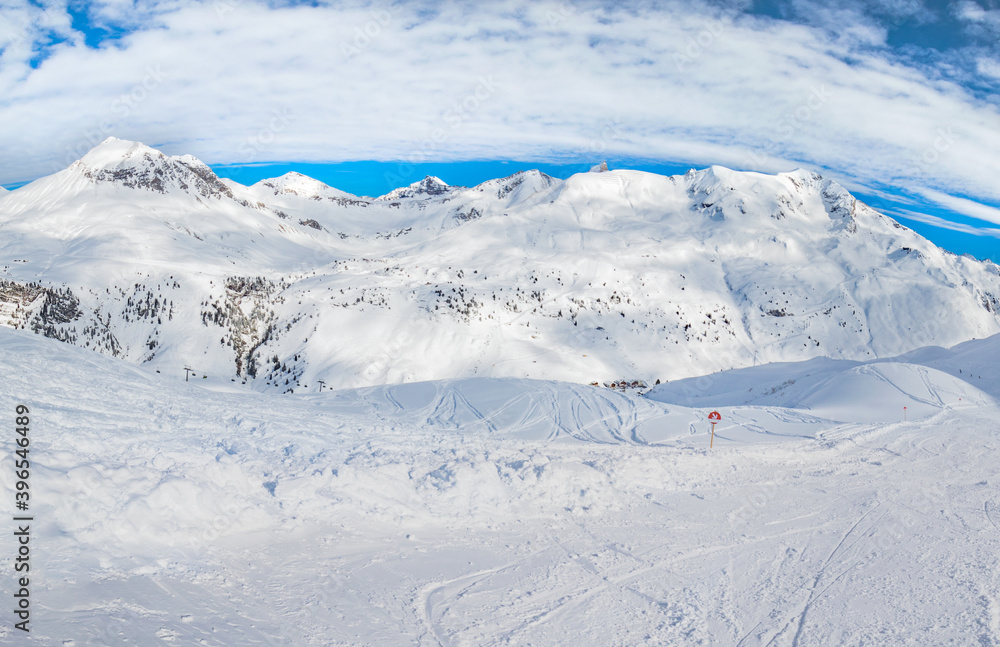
(495,512)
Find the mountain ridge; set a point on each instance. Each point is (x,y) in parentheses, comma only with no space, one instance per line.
(616,274)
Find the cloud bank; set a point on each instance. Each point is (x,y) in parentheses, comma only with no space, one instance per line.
(234,81)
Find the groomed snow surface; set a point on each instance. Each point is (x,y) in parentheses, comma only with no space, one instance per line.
(512,512)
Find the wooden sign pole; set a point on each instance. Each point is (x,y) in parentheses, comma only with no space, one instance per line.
(714,418)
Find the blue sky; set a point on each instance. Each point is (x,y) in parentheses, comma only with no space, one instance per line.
(897,99)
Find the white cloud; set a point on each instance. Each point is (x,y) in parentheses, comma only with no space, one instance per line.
(237,81)
(980,22)
(936,221)
(974,12)
(988,67)
(24,27)
(965,207)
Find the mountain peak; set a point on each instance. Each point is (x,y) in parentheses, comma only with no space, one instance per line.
(428,187)
(718,179)
(517,186)
(297,184)
(297,187)
(112,152)
(134,165)
(804,179)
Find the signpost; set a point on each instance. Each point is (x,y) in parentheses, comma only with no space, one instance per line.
(714,418)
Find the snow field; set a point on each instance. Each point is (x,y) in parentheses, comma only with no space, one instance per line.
(499,512)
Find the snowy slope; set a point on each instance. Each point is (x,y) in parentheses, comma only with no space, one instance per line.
(837,390)
(973,361)
(923,380)
(603,276)
(493,512)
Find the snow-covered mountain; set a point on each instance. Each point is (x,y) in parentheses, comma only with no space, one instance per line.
(425,189)
(606,275)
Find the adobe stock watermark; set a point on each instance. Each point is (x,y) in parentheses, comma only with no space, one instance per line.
(252,146)
(454,117)
(612,131)
(943,141)
(930,333)
(32,23)
(786,127)
(22,33)
(365,34)
(694,388)
(224,7)
(119,110)
(924,501)
(559,14)
(699,43)
(463,110)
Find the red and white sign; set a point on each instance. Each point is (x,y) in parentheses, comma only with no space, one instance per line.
(715,416)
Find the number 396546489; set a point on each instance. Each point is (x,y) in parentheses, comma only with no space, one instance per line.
(22,466)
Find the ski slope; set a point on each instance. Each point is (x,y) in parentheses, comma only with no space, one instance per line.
(509,511)
(879,390)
